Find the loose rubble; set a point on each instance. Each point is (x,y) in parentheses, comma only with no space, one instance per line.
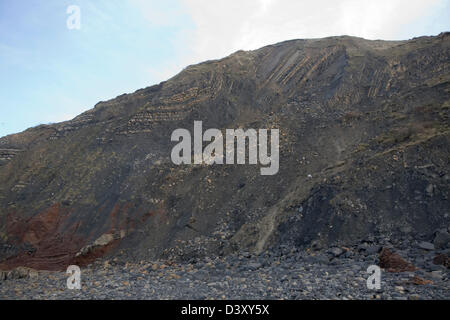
(284,273)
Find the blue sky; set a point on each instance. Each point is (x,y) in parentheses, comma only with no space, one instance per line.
(49,73)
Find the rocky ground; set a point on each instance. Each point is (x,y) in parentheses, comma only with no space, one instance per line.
(420,272)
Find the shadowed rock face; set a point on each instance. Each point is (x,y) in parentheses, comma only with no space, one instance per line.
(364,150)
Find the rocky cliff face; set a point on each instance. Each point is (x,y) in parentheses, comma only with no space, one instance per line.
(364,150)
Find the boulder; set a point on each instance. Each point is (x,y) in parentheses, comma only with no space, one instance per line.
(392,262)
(441,239)
(426,246)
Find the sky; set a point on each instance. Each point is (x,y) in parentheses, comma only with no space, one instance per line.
(51,72)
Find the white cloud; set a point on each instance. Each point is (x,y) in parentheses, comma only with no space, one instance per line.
(227,26)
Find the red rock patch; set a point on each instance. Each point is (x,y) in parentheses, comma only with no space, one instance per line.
(442,259)
(392,262)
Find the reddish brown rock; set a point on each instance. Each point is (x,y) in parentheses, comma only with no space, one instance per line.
(56,241)
(392,262)
(419,281)
(442,259)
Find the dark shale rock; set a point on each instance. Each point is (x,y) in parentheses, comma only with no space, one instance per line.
(364,148)
(441,239)
(426,246)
